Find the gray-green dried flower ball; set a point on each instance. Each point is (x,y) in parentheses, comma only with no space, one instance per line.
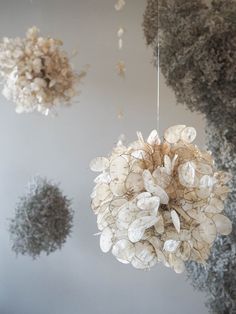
(197,50)
(198,60)
(43,219)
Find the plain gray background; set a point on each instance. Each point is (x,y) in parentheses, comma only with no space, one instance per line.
(80,279)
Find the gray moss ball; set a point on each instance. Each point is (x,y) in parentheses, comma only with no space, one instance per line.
(197,50)
(198,60)
(43,219)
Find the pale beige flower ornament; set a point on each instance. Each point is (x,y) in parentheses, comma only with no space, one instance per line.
(160,201)
(36,73)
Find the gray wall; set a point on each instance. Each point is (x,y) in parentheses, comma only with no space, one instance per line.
(80,279)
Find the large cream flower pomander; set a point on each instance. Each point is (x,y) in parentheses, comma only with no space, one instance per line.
(160,201)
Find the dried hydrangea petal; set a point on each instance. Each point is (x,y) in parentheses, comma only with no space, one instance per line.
(125,216)
(103,192)
(145,256)
(149,203)
(102,178)
(106,240)
(177,264)
(153,138)
(124,250)
(206,181)
(176,220)
(159,226)
(172,134)
(138,227)
(223,224)
(119,168)
(207,230)
(188,135)
(134,182)
(171,245)
(187,174)
(153,188)
(167,164)
(99,164)
(117,188)
(161,177)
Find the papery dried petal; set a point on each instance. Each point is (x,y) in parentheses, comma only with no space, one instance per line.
(172,134)
(123,250)
(99,164)
(138,227)
(106,240)
(223,224)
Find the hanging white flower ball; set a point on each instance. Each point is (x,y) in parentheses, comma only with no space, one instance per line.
(160,201)
(36,73)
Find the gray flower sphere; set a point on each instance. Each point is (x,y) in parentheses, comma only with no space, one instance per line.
(197,50)
(198,60)
(43,219)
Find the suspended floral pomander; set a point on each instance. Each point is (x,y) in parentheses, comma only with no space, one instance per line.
(160,201)
(36,74)
(43,219)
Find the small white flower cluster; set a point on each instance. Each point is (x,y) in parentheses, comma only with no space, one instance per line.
(160,201)
(36,73)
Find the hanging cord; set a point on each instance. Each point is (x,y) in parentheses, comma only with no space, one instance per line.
(158,88)
(158,71)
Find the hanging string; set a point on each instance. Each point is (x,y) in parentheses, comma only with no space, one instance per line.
(158,88)
(158,72)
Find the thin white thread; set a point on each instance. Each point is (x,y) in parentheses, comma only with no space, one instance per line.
(158,88)
(158,72)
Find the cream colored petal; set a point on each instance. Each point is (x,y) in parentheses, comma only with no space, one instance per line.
(223,224)
(187,174)
(188,135)
(117,188)
(99,164)
(203,193)
(106,240)
(167,164)
(116,205)
(125,216)
(175,220)
(217,203)
(123,250)
(150,204)
(103,178)
(162,178)
(138,227)
(134,182)
(153,188)
(177,264)
(119,168)
(171,245)
(173,162)
(206,181)
(104,219)
(172,134)
(153,138)
(142,195)
(207,230)
(103,192)
(159,226)
(145,256)
(203,168)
